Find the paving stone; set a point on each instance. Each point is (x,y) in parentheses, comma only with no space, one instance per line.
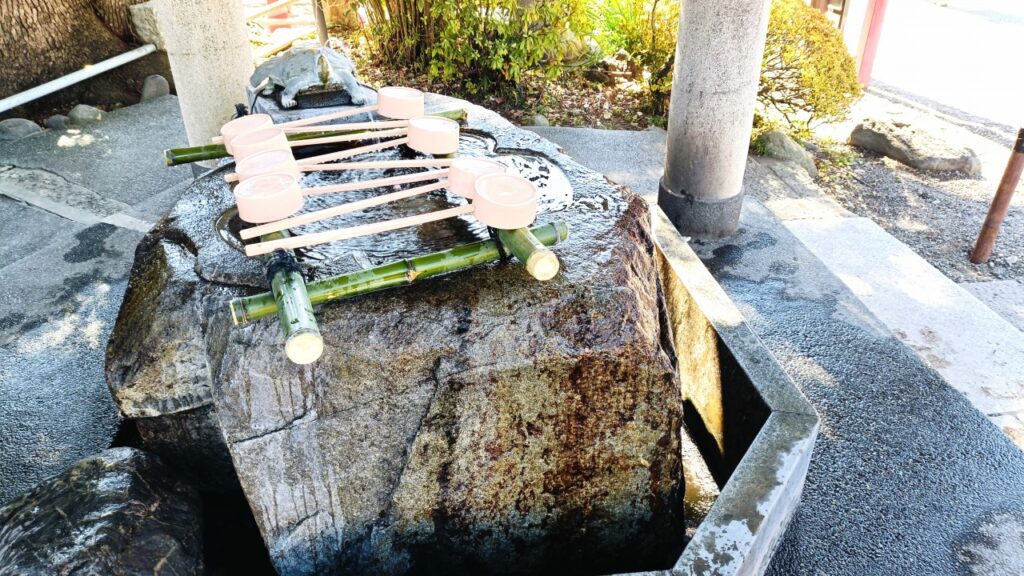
(905,469)
(28,229)
(51,192)
(976,351)
(1005,297)
(57,306)
(631,158)
(119,159)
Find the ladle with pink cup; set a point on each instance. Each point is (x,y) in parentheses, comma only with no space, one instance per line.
(271,199)
(499,200)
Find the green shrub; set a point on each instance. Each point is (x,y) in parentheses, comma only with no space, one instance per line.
(646,31)
(807,74)
(482,43)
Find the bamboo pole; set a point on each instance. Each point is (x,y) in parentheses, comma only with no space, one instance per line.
(539,260)
(186,155)
(1000,204)
(400,273)
(303,342)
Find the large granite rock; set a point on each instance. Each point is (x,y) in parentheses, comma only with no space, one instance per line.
(119,512)
(777,144)
(914,146)
(477,423)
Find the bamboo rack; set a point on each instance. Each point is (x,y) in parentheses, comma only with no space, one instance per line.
(403,272)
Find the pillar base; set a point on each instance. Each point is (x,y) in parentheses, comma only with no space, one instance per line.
(700,217)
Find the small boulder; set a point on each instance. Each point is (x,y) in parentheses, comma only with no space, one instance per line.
(914,147)
(777,144)
(84,114)
(14,128)
(154,86)
(118,512)
(57,122)
(144,23)
(538,120)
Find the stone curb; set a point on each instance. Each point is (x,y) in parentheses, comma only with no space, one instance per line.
(749,517)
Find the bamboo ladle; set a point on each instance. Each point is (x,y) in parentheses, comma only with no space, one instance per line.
(284,161)
(392,102)
(461,180)
(426,134)
(396,102)
(503,201)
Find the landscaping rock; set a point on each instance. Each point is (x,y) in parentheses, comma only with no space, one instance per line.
(154,86)
(777,144)
(14,128)
(451,425)
(144,23)
(57,122)
(84,114)
(539,120)
(914,147)
(119,512)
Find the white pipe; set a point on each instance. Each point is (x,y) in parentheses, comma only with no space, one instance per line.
(75,77)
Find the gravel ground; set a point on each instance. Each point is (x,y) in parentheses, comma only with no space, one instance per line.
(938,215)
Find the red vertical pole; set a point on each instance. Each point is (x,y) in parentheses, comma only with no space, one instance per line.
(1000,204)
(869,44)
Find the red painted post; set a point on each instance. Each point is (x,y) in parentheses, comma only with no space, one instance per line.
(869,43)
(1000,204)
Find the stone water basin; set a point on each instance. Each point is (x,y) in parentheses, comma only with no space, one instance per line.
(480,422)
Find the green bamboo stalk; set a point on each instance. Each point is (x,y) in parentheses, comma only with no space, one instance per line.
(303,342)
(539,260)
(189,154)
(400,273)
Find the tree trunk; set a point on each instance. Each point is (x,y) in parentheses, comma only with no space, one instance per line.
(45,39)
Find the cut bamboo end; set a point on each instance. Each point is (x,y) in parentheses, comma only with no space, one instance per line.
(238,315)
(543,265)
(304,347)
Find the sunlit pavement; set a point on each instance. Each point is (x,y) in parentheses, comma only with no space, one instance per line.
(74,204)
(959,53)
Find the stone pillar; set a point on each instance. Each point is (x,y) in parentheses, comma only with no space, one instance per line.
(208,47)
(717,68)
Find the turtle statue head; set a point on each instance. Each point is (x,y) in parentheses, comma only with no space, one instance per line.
(305,67)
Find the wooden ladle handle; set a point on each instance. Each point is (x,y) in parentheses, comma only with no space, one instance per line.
(355,231)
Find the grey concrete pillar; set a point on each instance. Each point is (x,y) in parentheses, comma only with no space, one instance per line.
(208,48)
(717,68)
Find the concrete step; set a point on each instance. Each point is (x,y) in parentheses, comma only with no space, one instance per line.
(633,158)
(119,158)
(975,349)
(1006,297)
(907,477)
(73,204)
